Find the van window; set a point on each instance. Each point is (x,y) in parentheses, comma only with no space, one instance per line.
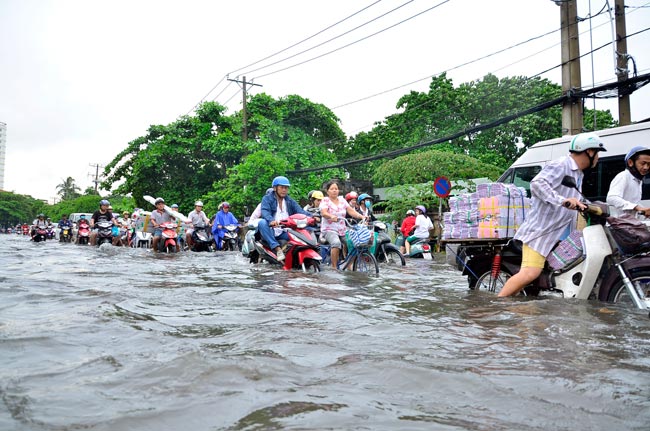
(597,181)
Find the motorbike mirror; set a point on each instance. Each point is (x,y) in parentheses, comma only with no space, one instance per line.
(570,182)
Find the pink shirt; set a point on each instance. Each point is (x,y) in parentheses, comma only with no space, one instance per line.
(338,209)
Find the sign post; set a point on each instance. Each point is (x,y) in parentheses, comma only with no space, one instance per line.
(442,188)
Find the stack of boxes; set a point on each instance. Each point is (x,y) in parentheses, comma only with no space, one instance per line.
(496,210)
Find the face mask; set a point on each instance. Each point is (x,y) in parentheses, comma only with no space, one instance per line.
(368,204)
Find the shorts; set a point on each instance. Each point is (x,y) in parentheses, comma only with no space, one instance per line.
(330,237)
(531,259)
(157,233)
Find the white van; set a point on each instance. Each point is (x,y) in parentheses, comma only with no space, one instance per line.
(618,141)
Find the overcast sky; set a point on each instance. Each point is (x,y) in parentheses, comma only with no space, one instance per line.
(80,79)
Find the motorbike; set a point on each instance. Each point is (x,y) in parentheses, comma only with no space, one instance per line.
(50,232)
(383,249)
(25,229)
(169,237)
(40,234)
(421,248)
(604,271)
(141,239)
(66,234)
(230,239)
(301,251)
(83,233)
(104,232)
(202,239)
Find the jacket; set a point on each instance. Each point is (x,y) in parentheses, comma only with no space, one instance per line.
(270,207)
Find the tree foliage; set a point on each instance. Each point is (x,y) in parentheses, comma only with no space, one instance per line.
(68,189)
(15,208)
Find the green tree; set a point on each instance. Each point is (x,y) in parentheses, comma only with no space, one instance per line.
(68,189)
(15,208)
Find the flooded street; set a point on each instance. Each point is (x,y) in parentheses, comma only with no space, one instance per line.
(122,339)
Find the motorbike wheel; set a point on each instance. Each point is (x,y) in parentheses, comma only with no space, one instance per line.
(492,284)
(617,292)
(311,265)
(365,262)
(391,257)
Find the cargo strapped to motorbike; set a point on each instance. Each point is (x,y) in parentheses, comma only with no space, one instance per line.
(629,233)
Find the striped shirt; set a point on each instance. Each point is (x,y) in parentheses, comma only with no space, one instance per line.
(548,220)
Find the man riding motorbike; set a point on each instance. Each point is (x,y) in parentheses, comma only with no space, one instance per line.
(103,214)
(625,190)
(197,219)
(64,223)
(223,218)
(277,206)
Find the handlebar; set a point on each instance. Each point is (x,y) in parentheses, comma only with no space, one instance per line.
(591,209)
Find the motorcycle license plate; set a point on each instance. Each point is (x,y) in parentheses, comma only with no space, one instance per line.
(427,256)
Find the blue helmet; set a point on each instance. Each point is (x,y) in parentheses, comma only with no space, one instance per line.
(363,196)
(104,202)
(280,181)
(636,150)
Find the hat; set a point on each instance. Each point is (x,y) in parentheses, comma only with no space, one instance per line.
(225,205)
(174,205)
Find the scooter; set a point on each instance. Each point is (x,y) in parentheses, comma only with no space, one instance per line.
(40,234)
(66,234)
(202,239)
(141,239)
(167,242)
(383,249)
(25,229)
(603,271)
(50,232)
(83,233)
(301,251)
(104,232)
(230,239)
(421,248)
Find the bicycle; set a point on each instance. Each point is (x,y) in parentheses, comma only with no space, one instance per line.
(359,254)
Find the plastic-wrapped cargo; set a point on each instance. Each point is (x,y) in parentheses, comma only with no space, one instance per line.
(496,210)
(567,251)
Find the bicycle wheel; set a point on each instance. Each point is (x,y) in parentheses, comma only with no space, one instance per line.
(391,257)
(365,262)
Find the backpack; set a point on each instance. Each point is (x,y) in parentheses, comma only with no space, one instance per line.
(629,233)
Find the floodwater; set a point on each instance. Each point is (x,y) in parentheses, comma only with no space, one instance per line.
(120,339)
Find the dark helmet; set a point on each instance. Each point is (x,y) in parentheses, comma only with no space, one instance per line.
(104,202)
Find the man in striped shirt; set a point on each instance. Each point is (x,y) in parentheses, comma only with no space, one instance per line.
(552,217)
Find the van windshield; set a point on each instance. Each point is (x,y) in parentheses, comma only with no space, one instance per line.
(521,176)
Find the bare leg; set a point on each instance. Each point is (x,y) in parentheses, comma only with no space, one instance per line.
(523,278)
(334,255)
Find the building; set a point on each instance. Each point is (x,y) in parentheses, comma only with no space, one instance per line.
(3,147)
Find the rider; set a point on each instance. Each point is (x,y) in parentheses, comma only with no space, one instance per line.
(197,219)
(407,226)
(257,212)
(365,206)
(351,199)
(422,226)
(38,223)
(277,206)
(551,218)
(157,218)
(63,223)
(314,197)
(223,218)
(102,214)
(82,223)
(625,190)
(124,224)
(333,211)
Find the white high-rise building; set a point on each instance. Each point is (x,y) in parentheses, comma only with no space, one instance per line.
(3,146)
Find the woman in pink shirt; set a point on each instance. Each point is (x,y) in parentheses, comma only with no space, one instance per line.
(333,209)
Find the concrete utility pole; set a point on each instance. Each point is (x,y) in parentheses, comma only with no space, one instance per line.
(96,180)
(571,109)
(624,114)
(244,112)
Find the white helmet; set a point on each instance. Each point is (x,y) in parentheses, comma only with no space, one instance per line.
(585,141)
(198,204)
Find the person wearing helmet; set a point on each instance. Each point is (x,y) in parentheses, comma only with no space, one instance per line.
(124,223)
(64,223)
(333,210)
(277,206)
(38,223)
(552,216)
(257,212)
(196,219)
(102,214)
(625,190)
(364,201)
(156,219)
(223,218)
(420,229)
(314,196)
(407,228)
(351,198)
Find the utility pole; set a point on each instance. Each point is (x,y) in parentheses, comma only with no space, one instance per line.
(624,114)
(572,108)
(96,180)
(244,112)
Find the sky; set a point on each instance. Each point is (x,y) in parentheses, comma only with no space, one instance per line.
(80,79)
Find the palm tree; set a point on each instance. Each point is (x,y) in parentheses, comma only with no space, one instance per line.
(68,189)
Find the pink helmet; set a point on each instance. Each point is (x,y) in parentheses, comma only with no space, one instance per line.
(351,195)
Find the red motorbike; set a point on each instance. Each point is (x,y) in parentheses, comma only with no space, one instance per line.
(25,229)
(83,232)
(168,241)
(301,251)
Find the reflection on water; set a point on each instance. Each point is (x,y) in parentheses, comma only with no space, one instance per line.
(117,339)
